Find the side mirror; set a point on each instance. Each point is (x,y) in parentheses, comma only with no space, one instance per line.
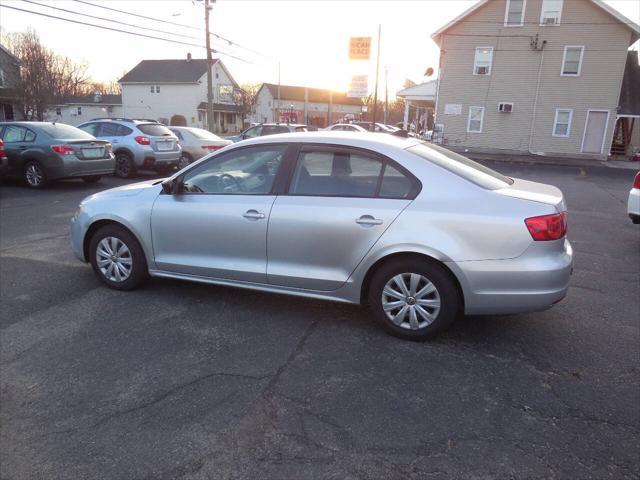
(172,186)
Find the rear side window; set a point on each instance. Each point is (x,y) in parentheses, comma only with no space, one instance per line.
(154,129)
(90,128)
(178,134)
(109,130)
(341,174)
(13,134)
(62,131)
(395,184)
(124,131)
(29,136)
(461,166)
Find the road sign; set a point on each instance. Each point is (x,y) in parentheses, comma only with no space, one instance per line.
(358,87)
(359,48)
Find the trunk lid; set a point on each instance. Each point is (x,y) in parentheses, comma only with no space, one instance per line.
(535,192)
(88,149)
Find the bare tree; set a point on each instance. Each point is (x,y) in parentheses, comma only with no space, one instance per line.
(245,97)
(46,78)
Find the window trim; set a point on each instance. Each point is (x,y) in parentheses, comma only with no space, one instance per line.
(542,24)
(564,58)
(475,54)
(606,127)
(555,123)
(416,184)
(469,119)
(506,14)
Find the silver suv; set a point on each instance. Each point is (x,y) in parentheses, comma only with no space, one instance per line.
(137,144)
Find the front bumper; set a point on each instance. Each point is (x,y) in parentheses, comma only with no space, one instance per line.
(531,282)
(77,237)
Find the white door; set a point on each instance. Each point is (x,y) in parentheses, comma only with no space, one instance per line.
(594,131)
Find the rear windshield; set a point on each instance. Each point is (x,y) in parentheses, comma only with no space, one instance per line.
(154,129)
(203,134)
(60,130)
(461,166)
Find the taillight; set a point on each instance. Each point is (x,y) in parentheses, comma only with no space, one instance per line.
(212,147)
(62,149)
(1,148)
(142,140)
(636,182)
(547,227)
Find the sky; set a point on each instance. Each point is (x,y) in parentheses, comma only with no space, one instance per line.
(307,38)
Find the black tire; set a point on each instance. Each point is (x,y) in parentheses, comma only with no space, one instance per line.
(125,168)
(139,271)
(34,175)
(185,160)
(91,178)
(446,288)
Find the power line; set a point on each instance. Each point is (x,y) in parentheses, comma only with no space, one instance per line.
(122,31)
(110,20)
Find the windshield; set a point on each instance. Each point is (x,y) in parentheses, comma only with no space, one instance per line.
(154,129)
(60,130)
(203,134)
(461,166)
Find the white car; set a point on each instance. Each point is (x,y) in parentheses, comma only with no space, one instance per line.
(633,205)
(345,127)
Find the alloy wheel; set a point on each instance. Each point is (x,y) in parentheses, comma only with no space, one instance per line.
(34,175)
(113,259)
(411,301)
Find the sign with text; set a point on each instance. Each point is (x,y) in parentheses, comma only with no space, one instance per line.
(452,109)
(359,48)
(358,86)
(225,93)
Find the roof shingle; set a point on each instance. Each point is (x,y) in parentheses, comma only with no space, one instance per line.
(167,71)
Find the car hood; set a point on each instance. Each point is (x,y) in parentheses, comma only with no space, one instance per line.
(130,190)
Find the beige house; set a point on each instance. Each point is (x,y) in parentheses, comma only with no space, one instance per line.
(533,76)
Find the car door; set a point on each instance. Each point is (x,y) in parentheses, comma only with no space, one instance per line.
(216,226)
(15,144)
(338,204)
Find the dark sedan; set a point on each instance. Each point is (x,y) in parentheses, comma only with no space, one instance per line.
(41,152)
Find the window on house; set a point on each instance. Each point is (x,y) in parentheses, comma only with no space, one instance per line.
(2,80)
(514,13)
(476,117)
(551,12)
(572,61)
(58,111)
(483,60)
(562,122)
(79,110)
(155,88)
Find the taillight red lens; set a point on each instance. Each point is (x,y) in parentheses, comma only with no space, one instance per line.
(547,227)
(62,149)
(1,148)
(212,147)
(142,140)
(636,182)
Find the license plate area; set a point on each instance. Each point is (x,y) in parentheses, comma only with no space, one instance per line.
(96,152)
(164,146)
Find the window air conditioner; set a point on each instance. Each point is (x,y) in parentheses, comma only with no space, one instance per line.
(505,107)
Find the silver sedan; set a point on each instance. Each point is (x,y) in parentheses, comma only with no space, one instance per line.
(417,232)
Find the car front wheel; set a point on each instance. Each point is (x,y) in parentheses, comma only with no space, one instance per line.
(117,258)
(414,300)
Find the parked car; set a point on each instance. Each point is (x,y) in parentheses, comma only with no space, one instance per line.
(633,205)
(419,233)
(41,152)
(196,143)
(345,127)
(268,129)
(4,161)
(137,144)
(369,127)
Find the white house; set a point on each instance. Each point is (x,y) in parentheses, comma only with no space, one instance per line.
(76,110)
(313,106)
(175,92)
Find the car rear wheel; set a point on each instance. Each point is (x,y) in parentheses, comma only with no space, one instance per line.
(34,175)
(117,258)
(124,165)
(185,160)
(91,178)
(414,300)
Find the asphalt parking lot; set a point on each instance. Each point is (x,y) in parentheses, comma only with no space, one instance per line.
(181,380)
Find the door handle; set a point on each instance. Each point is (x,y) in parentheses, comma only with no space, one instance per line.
(368,220)
(253,215)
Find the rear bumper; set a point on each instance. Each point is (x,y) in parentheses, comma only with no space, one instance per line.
(531,282)
(147,157)
(73,167)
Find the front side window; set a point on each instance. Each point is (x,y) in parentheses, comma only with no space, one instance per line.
(514,14)
(572,61)
(341,174)
(562,123)
(551,12)
(483,60)
(476,117)
(244,171)
(90,128)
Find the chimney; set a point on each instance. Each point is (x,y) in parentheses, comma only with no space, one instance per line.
(188,56)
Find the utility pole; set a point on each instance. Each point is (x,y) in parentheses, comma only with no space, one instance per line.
(207,9)
(375,92)
(386,95)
